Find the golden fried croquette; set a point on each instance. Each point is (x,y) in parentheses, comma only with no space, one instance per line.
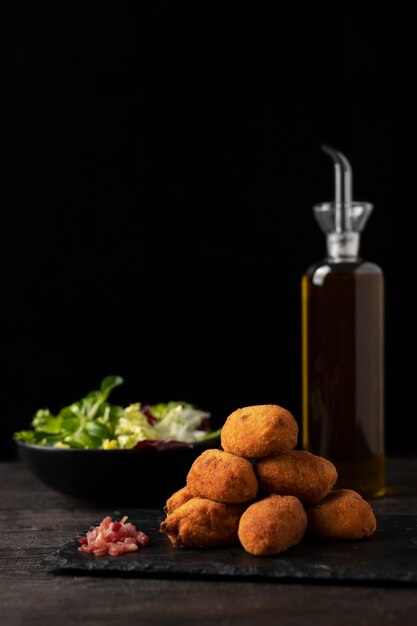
(296,473)
(177,499)
(259,430)
(202,523)
(223,477)
(342,514)
(272,525)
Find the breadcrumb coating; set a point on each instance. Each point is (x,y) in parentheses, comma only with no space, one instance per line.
(259,430)
(177,499)
(342,514)
(272,525)
(223,477)
(202,523)
(297,473)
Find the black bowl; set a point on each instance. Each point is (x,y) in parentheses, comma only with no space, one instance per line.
(142,478)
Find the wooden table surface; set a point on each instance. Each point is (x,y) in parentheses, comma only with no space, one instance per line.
(35,521)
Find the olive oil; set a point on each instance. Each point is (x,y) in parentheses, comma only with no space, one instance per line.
(343,380)
(343,347)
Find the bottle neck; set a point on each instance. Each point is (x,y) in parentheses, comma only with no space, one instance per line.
(343,246)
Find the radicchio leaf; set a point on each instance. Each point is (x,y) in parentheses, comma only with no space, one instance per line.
(146,410)
(164,444)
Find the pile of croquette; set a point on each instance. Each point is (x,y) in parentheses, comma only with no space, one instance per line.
(259,491)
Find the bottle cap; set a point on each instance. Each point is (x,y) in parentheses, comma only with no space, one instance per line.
(343,219)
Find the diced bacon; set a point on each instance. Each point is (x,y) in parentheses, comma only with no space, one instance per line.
(130,547)
(84,548)
(100,551)
(129,541)
(142,539)
(106,522)
(112,538)
(116,548)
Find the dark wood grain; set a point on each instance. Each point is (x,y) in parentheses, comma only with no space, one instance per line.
(35,521)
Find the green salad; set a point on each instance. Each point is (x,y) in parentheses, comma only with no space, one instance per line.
(93,422)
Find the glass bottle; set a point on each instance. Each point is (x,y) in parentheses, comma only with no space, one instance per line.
(343,345)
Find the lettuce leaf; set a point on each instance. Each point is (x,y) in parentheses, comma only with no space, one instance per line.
(93,423)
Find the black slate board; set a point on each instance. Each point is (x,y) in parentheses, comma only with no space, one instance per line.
(389,556)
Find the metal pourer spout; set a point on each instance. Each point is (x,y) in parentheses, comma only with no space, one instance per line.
(342,189)
(343,219)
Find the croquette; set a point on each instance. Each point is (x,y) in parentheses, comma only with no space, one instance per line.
(342,514)
(202,523)
(259,430)
(272,525)
(223,477)
(177,499)
(296,473)
(257,490)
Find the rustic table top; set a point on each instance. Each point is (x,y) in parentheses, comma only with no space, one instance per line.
(35,521)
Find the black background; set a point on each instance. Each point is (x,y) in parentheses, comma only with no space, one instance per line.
(161,173)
